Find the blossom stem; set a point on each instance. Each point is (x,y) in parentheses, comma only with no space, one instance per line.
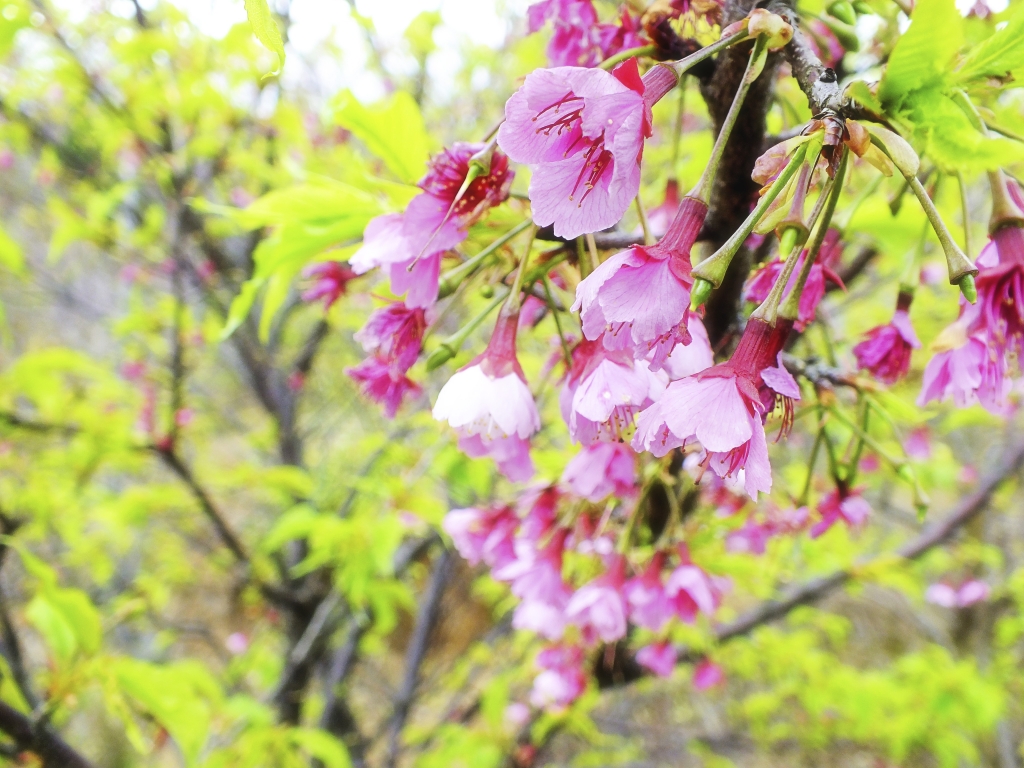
(621,56)
(684,65)
(645,225)
(454,277)
(581,259)
(514,302)
(595,260)
(558,323)
(755,65)
(853,465)
(806,492)
(677,129)
(450,347)
(1004,210)
(874,445)
(961,269)
(713,268)
(769,308)
(965,213)
(791,308)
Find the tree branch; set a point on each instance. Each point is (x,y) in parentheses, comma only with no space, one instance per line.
(425,621)
(39,739)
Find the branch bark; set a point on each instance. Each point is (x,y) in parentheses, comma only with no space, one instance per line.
(39,739)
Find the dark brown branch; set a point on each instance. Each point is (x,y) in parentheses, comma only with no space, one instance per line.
(39,739)
(14,420)
(425,621)
(15,657)
(818,82)
(304,362)
(227,536)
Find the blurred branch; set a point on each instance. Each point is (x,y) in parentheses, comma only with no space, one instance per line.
(39,739)
(304,362)
(14,420)
(227,536)
(425,621)
(14,656)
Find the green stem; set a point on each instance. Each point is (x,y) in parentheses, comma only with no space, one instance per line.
(558,323)
(960,267)
(677,128)
(451,279)
(450,347)
(684,65)
(713,268)
(755,65)
(806,492)
(791,308)
(621,56)
(645,225)
(965,213)
(514,302)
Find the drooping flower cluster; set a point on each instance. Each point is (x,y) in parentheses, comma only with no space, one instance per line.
(578,39)
(408,246)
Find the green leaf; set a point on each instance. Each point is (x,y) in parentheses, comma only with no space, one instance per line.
(998,55)
(177,697)
(947,136)
(321,745)
(265,28)
(923,56)
(54,626)
(11,255)
(392,131)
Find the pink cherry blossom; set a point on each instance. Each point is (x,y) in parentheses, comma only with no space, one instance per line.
(604,390)
(237,643)
(536,579)
(691,590)
(841,504)
(886,350)
(394,332)
(600,470)
(759,285)
(659,657)
(383,383)
(408,246)
(966,368)
(688,359)
(1001,289)
(582,133)
(578,39)
(721,408)
(598,607)
(661,216)
(330,280)
(540,505)
(490,405)
(968,593)
(572,43)
(639,299)
(562,680)
(707,675)
(646,598)
(752,538)
(483,535)
(918,444)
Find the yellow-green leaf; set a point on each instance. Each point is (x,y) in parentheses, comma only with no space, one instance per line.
(265,28)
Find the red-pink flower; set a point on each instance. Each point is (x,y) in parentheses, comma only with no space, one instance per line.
(688,359)
(582,133)
(562,680)
(722,408)
(968,593)
(330,279)
(394,332)
(1001,289)
(483,535)
(578,39)
(966,367)
(760,284)
(490,405)
(604,390)
(600,470)
(598,607)
(691,590)
(659,657)
(885,351)
(383,383)
(841,504)
(707,675)
(536,579)
(639,299)
(649,605)
(408,246)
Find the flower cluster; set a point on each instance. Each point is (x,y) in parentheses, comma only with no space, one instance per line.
(578,39)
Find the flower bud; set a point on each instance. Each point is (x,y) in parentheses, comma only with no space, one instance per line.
(700,292)
(776,29)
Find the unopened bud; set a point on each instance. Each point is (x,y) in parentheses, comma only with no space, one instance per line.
(968,289)
(906,472)
(776,29)
(487,291)
(439,357)
(700,292)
